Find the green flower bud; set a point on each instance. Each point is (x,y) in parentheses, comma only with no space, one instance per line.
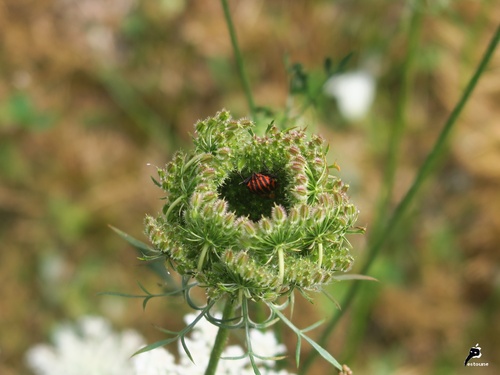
(253,216)
(300,192)
(278,214)
(265,225)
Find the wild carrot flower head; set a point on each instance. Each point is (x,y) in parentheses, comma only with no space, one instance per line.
(253,216)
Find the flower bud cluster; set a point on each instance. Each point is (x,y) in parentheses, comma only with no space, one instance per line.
(258,243)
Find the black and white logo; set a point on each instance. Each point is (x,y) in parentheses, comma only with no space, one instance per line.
(475,352)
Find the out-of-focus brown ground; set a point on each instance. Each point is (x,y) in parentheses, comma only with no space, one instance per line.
(91,91)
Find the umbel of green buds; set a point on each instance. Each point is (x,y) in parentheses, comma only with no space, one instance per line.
(253,216)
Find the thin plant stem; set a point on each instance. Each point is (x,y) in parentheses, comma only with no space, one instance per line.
(393,151)
(426,169)
(239,58)
(220,340)
(399,126)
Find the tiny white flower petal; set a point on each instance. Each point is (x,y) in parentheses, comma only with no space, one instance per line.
(266,345)
(92,347)
(88,347)
(233,367)
(155,362)
(41,359)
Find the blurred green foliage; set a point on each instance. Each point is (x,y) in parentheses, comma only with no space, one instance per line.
(19,111)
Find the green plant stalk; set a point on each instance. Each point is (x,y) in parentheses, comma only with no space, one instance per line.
(203,255)
(427,167)
(220,340)
(239,58)
(398,129)
(395,139)
(281,263)
(320,253)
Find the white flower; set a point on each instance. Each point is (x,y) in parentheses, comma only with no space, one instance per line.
(91,347)
(201,342)
(354,92)
(155,362)
(265,345)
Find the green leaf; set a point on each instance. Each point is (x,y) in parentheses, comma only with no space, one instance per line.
(343,63)
(155,345)
(144,250)
(322,352)
(134,242)
(155,181)
(269,126)
(143,288)
(255,368)
(167,331)
(297,350)
(354,277)
(298,79)
(337,304)
(118,294)
(186,350)
(328,63)
(300,334)
(311,327)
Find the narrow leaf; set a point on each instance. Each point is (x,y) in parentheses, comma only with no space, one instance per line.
(328,63)
(186,349)
(143,288)
(297,350)
(145,302)
(134,242)
(322,352)
(311,327)
(256,370)
(155,181)
(332,299)
(118,294)
(155,345)
(343,62)
(355,277)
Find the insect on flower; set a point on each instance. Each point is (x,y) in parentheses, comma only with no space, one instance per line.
(262,184)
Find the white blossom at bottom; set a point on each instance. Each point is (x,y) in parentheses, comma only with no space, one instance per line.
(92,347)
(89,347)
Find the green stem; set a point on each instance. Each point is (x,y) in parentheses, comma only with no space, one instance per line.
(239,58)
(397,130)
(281,264)
(203,255)
(320,254)
(173,204)
(424,172)
(393,155)
(220,340)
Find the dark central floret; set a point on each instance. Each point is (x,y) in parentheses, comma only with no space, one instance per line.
(254,196)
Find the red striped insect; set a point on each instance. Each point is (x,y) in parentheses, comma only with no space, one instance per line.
(261,184)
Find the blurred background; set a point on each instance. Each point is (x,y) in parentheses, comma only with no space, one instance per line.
(91,91)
